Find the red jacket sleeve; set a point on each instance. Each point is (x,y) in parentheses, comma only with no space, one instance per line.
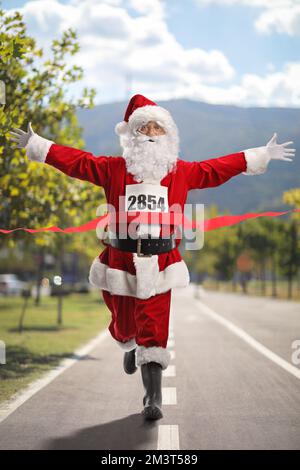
(79,164)
(213,172)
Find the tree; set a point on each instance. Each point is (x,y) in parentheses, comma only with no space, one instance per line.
(291,255)
(218,255)
(37,90)
(292,197)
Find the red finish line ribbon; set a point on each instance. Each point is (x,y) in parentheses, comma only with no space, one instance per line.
(228,220)
(163,218)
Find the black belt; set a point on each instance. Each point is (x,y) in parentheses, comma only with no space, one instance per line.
(143,246)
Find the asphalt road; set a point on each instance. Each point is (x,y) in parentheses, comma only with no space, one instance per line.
(226,386)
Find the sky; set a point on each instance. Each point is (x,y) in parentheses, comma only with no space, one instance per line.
(240,52)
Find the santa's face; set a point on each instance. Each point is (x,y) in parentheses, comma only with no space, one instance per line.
(150,152)
(151,129)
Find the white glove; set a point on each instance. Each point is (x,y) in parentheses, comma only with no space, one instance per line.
(279,151)
(21,137)
(36,146)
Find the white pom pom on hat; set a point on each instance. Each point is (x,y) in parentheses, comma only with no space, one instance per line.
(121,128)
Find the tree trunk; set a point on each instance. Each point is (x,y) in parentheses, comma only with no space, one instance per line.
(40,275)
(290,287)
(294,256)
(61,287)
(59,307)
(274,277)
(263,278)
(243,281)
(22,316)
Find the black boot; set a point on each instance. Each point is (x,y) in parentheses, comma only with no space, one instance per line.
(129,362)
(152,401)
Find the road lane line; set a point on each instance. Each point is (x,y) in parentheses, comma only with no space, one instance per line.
(249,340)
(191,318)
(168,434)
(168,437)
(169,396)
(172,354)
(170,371)
(9,406)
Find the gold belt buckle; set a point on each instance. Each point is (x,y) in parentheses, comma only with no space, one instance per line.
(139,246)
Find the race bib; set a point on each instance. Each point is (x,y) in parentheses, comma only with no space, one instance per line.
(146,197)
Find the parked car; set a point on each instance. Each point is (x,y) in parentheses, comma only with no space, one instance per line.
(10,284)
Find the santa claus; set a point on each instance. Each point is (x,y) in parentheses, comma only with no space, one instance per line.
(136,274)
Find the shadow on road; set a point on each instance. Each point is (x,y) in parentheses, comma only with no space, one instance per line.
(21,362)
(128,433)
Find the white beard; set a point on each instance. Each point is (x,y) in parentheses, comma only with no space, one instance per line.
(149,162)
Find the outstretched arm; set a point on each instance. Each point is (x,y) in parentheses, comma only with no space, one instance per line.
(73,162)
(216,171)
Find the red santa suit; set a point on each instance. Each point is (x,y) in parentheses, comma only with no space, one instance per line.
(137,290)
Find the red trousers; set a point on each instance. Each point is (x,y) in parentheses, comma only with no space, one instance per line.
(146,320)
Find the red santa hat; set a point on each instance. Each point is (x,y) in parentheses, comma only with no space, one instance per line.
(141,110)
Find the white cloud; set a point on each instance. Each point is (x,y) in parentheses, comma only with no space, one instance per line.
(274,89)
(148,7)
(281,16)
(282,20)
(256,3)
(117,40)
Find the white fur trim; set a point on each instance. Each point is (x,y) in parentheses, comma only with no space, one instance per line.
(150,113)
(174,275)
(121,128)
(145,114)
(147,272)
(257,160)
(120,282)
(153,354)
(113,280)
(128,345)
(37,148)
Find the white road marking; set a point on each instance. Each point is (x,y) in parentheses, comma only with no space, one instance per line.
(172,354)
(168,437)
(168,434)
(250,340)
(191,318)
(10,406)
(170,371)
(169,396)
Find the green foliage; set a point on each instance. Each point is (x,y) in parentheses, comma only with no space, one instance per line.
(289,250)
(37,90)
(292,197)
(271,244)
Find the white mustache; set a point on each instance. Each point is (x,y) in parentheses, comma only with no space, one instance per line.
(142,139)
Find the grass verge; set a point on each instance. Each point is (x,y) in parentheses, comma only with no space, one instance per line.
(43,344)
(254,288)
